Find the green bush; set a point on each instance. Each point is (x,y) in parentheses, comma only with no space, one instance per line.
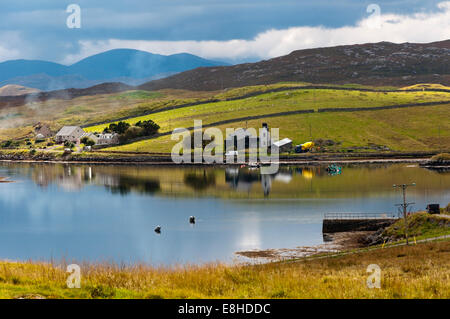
(7,143)
(100,291)
(131,132)
(69,144)
(87,141)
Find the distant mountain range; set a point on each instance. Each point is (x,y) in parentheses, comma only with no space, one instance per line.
(376,64)
(129,66)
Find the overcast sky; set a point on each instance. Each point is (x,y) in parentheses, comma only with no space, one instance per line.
(230,30)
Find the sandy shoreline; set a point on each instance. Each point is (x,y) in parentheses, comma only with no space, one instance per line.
(338,242)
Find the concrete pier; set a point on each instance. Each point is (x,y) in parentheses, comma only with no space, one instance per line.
(334,223)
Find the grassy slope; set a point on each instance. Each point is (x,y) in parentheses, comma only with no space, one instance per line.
(420,225)
(403,130)
(281,102)
(15,121)
(413,129)
(420,271)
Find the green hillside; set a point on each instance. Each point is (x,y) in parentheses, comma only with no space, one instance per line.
(422,128)
(412,129)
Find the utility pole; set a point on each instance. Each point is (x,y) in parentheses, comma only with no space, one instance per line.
(404,206)
(310,133)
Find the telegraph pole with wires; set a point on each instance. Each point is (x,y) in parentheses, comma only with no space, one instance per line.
(404,207)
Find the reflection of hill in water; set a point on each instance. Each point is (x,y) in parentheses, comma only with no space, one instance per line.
(125,185)
(200,180)
(233,182)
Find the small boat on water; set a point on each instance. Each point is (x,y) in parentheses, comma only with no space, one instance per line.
(334,169)
(254,165)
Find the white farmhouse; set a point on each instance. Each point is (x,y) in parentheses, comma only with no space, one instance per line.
(69,133)
(107,138)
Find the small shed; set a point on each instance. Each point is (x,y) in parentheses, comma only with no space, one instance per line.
(284,145)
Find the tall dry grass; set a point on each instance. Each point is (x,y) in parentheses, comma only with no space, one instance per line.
(421,271)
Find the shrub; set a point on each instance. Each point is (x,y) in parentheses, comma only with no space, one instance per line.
(7,143)
(131,132)
(87,141)
(100,291)
(69,144)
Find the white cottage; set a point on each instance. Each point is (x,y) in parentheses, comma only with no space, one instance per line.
(69,133)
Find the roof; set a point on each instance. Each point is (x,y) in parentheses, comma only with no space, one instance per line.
(107,135)
(67,130)
(284,141)
(88,134)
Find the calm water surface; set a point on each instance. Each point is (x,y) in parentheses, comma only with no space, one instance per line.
(99,212)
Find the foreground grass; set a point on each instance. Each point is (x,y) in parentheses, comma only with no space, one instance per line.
(420,271)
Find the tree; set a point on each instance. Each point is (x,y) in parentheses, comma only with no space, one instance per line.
(149,127)
(118,128)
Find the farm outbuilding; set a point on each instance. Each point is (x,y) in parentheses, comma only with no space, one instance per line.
(284,145)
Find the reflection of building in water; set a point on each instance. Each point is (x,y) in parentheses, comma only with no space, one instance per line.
(242,179)
(67,177)
(284,177)
(107,180)
(75,178)
(266,183)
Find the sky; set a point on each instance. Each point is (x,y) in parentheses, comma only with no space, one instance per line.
(226,30)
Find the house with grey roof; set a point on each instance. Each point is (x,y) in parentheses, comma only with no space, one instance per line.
(69,134)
